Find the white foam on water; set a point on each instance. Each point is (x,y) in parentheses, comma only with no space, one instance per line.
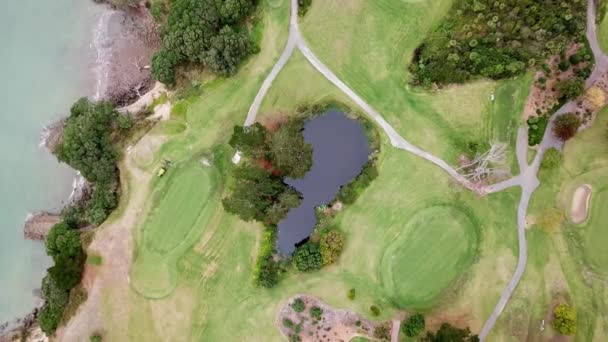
(102,45)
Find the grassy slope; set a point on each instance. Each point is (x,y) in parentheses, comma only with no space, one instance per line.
(561,265)
(369,44)
(602,34)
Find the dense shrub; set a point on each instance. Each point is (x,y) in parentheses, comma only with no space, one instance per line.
(571,88)
(496,39)
(316,313)
(536,129)
(308,257)
(383,332)
(56,299)
(208,32)
(551,159)
(96,338)
(349,193)
(266,270)
(374,310)
(565,319)
(414,325)
(331,246)
(298,305)
(449,333)
(163,66)
(566,126)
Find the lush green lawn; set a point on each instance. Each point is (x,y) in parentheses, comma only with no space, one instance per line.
(369,44)
(433,248)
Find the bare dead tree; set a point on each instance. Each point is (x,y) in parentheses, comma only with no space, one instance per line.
(491,163)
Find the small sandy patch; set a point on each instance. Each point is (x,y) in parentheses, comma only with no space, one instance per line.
(580,203)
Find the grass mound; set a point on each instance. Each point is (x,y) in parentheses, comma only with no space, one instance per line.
(436,246)
(185,201)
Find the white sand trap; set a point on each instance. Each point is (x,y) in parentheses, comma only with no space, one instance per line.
(580,203)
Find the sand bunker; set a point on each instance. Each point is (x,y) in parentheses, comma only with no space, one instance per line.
(580,203)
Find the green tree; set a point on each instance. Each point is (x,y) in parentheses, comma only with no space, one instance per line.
(226,50)
(290,152)
(566,126)
(564,319)
(352,293)
(414,325)
(252,192)
(287,200)
(331,246)
(163,66)
(250,140)
(374,310)
(55,301)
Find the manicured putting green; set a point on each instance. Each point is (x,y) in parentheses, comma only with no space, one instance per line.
(435,247)
(177,207)
(597,234)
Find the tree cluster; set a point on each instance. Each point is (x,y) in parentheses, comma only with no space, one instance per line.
(496,39)
(207,32)
(63,245)
(258,191)
(87,146)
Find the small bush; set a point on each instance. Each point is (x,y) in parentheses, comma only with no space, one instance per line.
(298,305)
(96,338)
(351,294)
(374,310)
(331,246)
(551,159)
(565,319)
(536,129)
(382,332)
(414,325)
(287,323)
(316,313)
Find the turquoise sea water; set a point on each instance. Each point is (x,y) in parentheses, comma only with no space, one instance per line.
(45,64)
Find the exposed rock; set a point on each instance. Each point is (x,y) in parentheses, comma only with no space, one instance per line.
(38,225)
(26,326)
(52,135)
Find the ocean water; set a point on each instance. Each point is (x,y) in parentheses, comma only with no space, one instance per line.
(47,61)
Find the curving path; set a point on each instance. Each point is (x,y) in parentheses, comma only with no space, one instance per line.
(528,173)
(527,179)
(296,40)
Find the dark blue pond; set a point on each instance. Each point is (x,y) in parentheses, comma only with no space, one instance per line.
(340,149)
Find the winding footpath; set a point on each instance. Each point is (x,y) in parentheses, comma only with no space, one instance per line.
(527,179)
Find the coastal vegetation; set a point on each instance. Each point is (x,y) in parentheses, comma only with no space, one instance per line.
(210,33)
(496,39)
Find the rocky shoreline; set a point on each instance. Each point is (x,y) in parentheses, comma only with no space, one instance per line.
(125,41)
